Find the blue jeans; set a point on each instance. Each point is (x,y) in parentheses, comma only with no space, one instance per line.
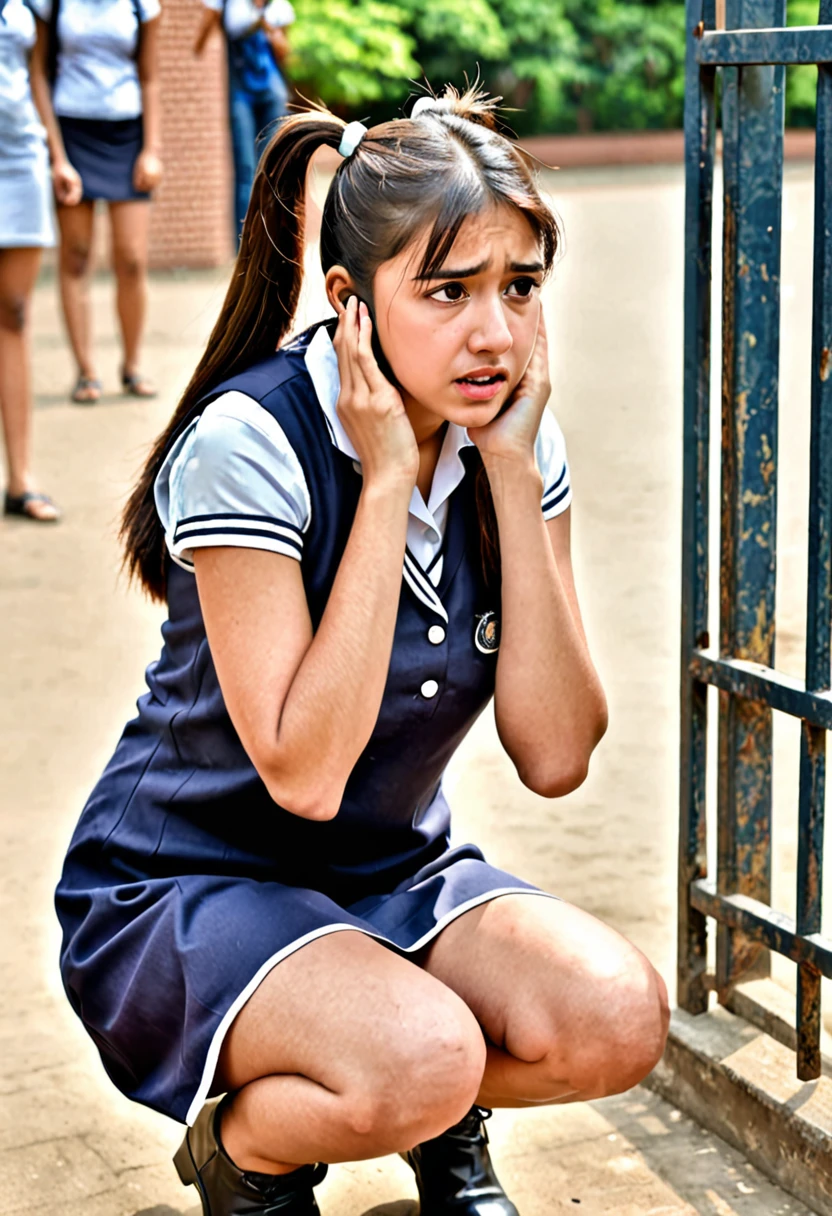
(252,116)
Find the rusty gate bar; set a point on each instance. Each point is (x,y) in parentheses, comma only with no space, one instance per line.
(760,683)
(752,129)
(800,44)
(813,737)
(773,929)
(748,56)
(692,992)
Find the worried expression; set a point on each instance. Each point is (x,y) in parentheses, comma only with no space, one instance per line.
(459,342)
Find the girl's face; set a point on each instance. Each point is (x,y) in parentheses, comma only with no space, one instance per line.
(459,342)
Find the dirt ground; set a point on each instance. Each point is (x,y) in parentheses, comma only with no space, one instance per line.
(76,640)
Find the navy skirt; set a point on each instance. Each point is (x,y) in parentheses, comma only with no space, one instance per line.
(104,152)
(158,967)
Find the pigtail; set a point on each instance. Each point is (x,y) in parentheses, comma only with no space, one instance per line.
(489,533)
(256,315)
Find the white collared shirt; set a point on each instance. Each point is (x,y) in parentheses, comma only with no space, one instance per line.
(97,72)
(22,137)
(232,477)
(239,16)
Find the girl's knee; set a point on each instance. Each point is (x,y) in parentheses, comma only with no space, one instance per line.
(129,264)
(614,1037)
(633,1046)
(630,1033)
(425,1082)
(75,258)
(14,311)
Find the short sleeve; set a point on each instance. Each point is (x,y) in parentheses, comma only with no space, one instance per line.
(233,479)
(149,10)
(279,13)
(214,5)
(550,451)
(41,9)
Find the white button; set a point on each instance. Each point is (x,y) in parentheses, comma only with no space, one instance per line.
(436,634)
(429,689)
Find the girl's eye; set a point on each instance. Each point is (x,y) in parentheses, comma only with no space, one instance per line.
(522,287)
(451,293)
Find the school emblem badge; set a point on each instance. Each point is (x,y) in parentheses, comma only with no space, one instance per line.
(487,633)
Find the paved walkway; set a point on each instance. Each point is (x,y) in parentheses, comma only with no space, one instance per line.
(76,641)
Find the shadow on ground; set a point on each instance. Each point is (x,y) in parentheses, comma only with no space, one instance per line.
(164,1209)
(403,1207)
(49,401)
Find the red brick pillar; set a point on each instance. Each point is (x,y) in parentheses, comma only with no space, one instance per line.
(191,223)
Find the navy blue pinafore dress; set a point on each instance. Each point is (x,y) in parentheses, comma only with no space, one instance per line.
(185,883)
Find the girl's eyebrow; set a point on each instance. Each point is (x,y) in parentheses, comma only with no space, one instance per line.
(470,271)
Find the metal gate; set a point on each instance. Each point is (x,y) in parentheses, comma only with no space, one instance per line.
(737,52)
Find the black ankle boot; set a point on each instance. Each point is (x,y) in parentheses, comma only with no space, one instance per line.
(227,1191)
(454,1173)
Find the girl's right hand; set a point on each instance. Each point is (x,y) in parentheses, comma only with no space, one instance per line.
(67,183)
(370,408)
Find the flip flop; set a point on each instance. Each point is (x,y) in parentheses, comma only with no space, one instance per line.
(134,384)
(85,385)
(18,504)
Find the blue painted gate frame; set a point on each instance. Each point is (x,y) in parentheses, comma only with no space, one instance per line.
(750,55)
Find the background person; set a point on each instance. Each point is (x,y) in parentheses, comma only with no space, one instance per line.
(101,111)
(25,228)
(255,32)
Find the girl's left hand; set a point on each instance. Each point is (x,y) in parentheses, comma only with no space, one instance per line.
(147,171)
(512,434)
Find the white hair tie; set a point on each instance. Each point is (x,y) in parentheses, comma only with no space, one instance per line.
(354,132)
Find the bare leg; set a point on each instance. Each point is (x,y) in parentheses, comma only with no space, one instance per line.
(130,224)
(345,1051)
(76,224)
(18,271)
(570,1009)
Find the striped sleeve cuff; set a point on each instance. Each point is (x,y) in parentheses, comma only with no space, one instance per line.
(558,496)
(237,531)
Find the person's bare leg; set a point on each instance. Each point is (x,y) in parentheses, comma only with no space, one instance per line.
(18,272)
(571,1010)
(345,1051)
(76,225)
(130,226)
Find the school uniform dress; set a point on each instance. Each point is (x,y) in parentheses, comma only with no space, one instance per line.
(25,188)
(97,96)
(257,93)
(185,883)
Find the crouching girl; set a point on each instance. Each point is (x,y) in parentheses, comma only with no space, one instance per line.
(362,535)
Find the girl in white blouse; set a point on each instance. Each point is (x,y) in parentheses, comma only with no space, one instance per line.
(94,74)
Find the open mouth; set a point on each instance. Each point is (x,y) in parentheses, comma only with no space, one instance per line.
(497,378)
(481,387)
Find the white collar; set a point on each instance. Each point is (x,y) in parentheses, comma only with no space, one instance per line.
(322,365)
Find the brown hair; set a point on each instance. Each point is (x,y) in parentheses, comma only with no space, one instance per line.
(405,176)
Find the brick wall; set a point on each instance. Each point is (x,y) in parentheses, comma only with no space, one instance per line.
(191,222)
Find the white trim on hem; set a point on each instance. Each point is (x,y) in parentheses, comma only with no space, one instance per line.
(254,983)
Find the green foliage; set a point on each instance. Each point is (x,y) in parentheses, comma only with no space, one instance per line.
(623,66)
(348,55)
(802,82)
(562,65)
